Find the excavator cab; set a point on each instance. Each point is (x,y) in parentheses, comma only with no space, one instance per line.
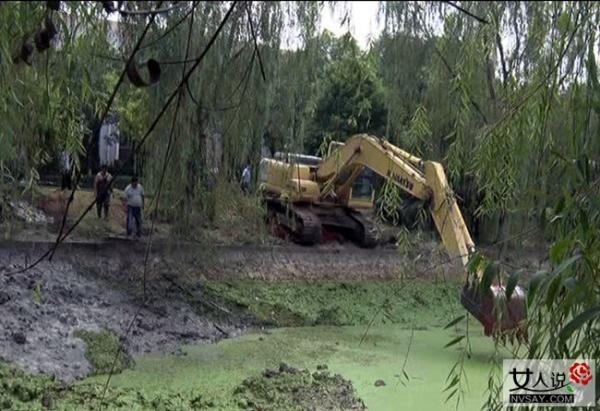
(362,194)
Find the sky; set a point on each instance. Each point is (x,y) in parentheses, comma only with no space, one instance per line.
(363,24)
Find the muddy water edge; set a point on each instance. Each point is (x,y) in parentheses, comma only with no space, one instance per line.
(67,317)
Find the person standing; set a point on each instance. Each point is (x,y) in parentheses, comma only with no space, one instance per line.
(66,163)
(102,188)
(246,179)
(134,194)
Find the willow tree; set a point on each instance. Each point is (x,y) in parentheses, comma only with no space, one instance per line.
(506,97)
(50,85)
(227,109)
(517,82)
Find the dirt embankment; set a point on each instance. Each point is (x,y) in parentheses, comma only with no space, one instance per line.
(43,308)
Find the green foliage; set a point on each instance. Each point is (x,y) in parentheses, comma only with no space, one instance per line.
(390,202)
(350,98)
(566,297)
(104,351)
(45,104)
(21,391)
(515,123)
(132,104)
(417,139)
(284,303)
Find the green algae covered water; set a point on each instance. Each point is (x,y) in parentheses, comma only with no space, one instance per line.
(216,369)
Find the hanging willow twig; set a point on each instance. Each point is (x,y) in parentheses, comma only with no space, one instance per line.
(515,109)
(172,27)
(467,12)
(455,76)
(260,62)
(151,12)
(244,80)
(61,237)
(149,241)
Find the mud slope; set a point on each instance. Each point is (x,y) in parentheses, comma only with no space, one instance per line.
(44,307)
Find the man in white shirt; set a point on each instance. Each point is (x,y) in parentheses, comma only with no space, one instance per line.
(134,193)
(66,163)
(246,179)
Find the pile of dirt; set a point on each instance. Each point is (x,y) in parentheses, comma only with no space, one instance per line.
(297,390)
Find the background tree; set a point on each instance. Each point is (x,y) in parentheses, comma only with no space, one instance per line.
(350,96)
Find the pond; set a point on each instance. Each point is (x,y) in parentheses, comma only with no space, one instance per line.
(216,369)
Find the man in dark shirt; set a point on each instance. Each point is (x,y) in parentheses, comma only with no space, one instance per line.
(102,188)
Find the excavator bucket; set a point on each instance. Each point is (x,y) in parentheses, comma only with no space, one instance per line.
(498,316)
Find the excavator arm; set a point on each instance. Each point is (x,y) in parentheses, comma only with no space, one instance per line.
(338,171)
(425,180)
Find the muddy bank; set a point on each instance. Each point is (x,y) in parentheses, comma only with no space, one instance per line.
(332,261)
(44,307)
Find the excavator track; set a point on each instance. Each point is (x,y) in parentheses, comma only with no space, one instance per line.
(365,235)
(302,225)
(311,230)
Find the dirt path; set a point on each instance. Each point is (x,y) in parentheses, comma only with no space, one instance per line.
(332,261)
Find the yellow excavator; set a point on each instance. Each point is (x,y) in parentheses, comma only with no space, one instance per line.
(305,195)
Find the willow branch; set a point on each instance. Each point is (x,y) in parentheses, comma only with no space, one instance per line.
(61,237)
(467,12)
(454,75)
(260,62)
(173,27)
(151,12)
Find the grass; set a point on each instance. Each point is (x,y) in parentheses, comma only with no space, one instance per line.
(23,392)
(103,349)
(53,202)
(294,303)
(224,216)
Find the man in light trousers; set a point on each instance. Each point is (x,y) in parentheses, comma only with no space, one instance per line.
(134,193)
